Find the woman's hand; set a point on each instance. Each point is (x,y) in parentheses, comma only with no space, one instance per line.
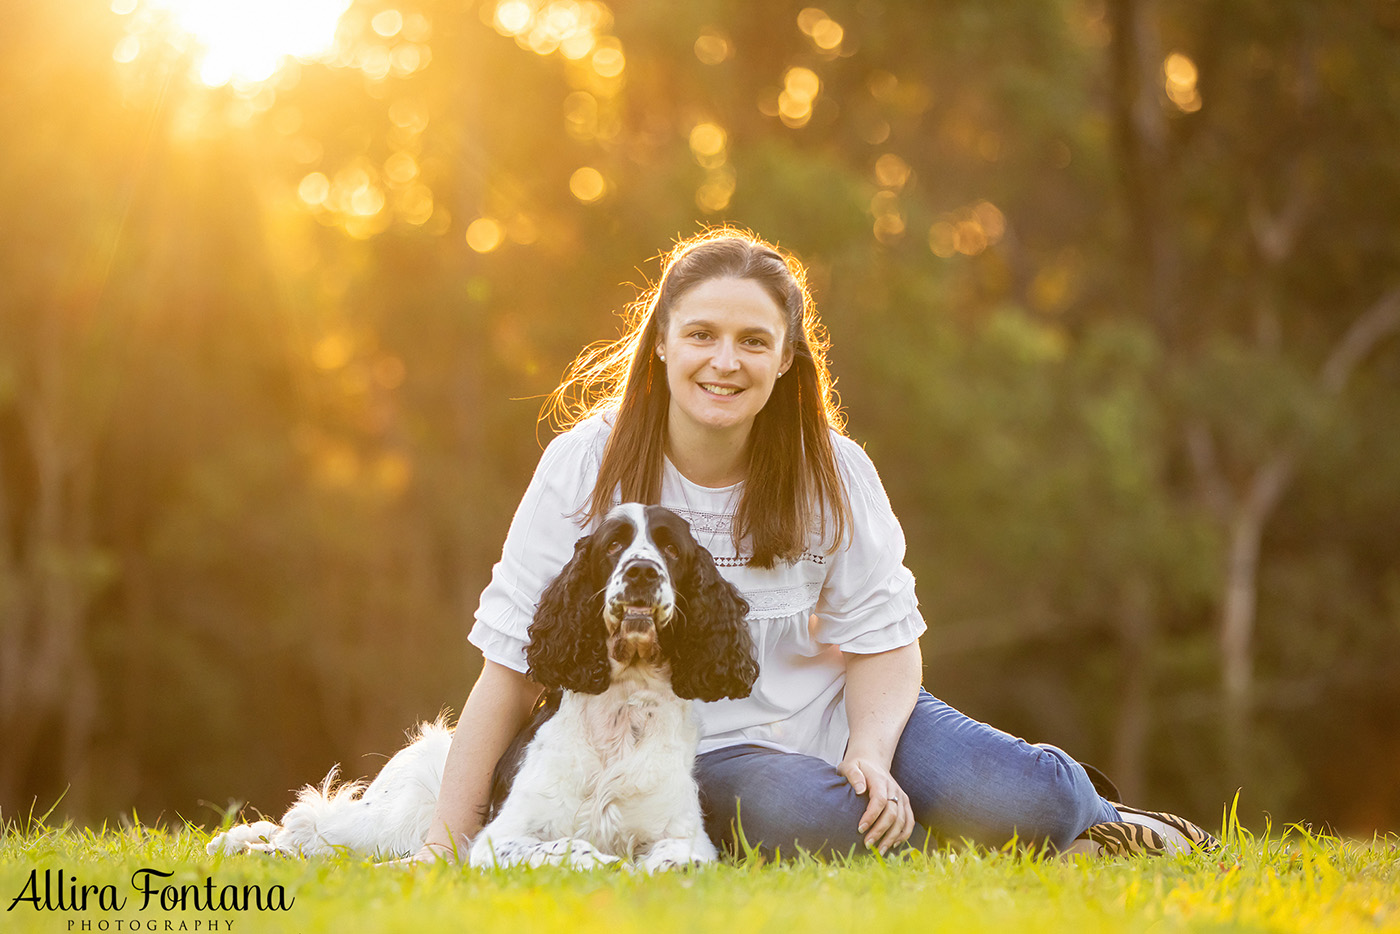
(880,694)
(438,853)
(888,819)
(430,853)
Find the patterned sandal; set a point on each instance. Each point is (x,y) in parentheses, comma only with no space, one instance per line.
(1171,834)
(1118,838)
(1198,837)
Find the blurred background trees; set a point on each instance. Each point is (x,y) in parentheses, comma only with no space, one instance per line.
(1113,287)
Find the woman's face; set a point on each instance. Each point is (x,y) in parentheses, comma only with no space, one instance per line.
(724,347)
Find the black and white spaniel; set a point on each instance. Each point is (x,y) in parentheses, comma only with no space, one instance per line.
(637,624)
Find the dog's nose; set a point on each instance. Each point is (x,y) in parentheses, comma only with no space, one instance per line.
(641,573)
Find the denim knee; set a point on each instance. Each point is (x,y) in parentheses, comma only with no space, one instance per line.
(968,780)
(777,802)
(1065,801)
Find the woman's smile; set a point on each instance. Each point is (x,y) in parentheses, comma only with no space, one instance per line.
(721,390)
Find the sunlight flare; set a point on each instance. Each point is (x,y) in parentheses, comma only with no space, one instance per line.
(248,41)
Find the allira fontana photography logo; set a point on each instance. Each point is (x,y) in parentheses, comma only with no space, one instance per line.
(149,891)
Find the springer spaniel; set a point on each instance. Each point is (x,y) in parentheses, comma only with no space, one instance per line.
(637,624)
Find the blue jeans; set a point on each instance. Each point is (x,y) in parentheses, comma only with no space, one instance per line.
(965,780)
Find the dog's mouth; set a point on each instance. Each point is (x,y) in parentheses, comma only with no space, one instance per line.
(635,637)
(637,620)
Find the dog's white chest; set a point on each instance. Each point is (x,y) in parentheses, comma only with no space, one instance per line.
(617,729)
(619,764)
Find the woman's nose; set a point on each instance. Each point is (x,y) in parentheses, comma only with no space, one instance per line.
(726,357)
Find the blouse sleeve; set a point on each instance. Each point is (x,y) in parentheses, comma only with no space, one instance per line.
(539,543)
(867,604)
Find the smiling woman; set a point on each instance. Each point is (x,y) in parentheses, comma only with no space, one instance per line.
(247,42)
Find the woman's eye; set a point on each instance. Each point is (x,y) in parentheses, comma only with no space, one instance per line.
(672,552)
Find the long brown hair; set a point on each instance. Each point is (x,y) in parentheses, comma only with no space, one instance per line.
(792,485)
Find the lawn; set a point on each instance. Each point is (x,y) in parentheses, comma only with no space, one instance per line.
(1275,881)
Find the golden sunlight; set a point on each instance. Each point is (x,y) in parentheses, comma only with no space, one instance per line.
(249,41)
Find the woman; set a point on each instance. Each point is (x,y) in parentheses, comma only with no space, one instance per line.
(718,405)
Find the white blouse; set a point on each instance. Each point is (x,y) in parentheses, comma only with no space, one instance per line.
(861,594)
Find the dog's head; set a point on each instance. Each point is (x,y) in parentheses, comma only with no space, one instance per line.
(641,590)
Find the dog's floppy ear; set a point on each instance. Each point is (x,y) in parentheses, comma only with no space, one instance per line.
(568,639)
(707,640)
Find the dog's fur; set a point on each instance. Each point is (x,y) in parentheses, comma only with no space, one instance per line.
(636,625)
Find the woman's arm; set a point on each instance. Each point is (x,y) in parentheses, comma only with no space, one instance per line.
(880,693)
(496,709)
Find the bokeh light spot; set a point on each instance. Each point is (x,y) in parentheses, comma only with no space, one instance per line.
(800,89)
(1181,76)
(314,189)
(401,168)
(128,47)
(828,34)
(892,172)
(415,205)
(587,184)
(942,239)
(889,228)
(581,115)
(609,62)
(332,351)
(825,33)
(409,114)
(707,144)
(512,17)
(577,46)
(387,23)
(367,201)
(485,234)
(809,18)
(991,220)
(802,82)
(713,47)
(715,194)
(521,229)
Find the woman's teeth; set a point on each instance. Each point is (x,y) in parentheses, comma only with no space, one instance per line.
(719,390)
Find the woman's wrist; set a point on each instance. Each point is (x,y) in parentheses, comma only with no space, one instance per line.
(872,753)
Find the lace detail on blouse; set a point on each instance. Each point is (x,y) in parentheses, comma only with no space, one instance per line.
(784,601)
(709,523)
(739,561)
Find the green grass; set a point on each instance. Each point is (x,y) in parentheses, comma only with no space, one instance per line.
(1289,881)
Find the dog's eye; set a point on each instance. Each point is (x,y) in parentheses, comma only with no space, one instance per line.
(614,547)
(672,552)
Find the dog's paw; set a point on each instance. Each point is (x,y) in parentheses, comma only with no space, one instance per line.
(666,855)
(525,851)
(257,836)
(575,854)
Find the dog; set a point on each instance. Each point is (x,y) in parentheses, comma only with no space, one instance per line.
(637,625)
